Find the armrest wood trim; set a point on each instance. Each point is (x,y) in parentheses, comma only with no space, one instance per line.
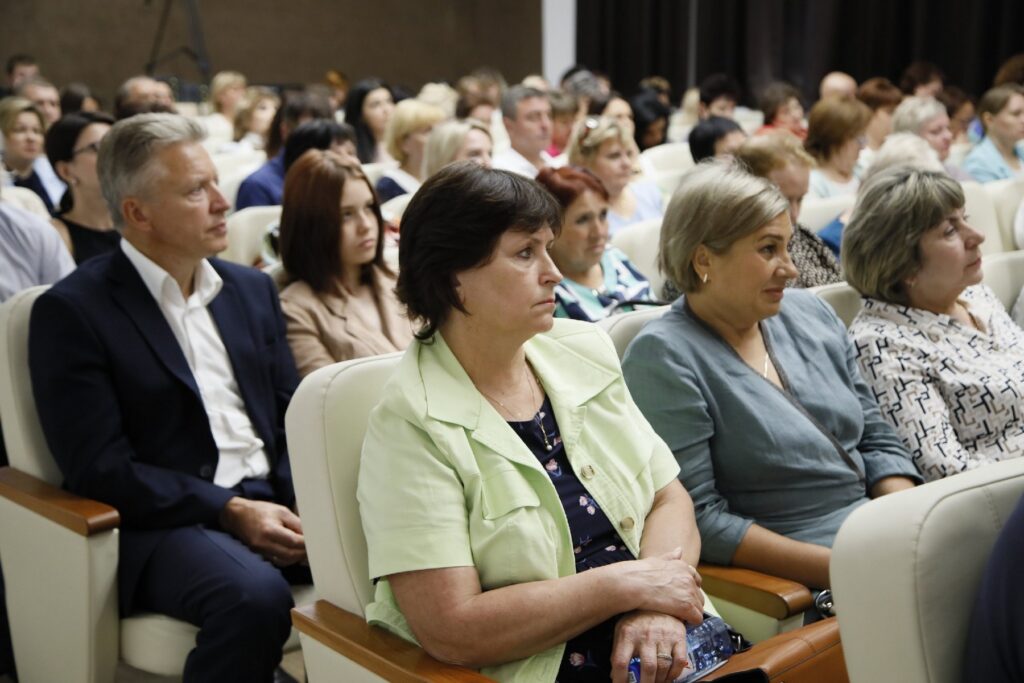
(776,597)
(376,650)
(84,516)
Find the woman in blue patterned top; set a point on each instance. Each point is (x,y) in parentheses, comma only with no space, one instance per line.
(597,279)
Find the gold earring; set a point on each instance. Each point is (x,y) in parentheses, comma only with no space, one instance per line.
(704,278)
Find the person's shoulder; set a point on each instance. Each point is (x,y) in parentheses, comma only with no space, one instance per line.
(586,339)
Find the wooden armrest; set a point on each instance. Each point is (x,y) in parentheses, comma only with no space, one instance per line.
(763,593)
(375,649)
(84,516)
(810,653)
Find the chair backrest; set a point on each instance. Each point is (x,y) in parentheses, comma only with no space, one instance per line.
(623,327)
(905,570)
(393,208)
(325,423)
(25,199)
(670,156)
(246,229)
(228,163)
(375,171)
(844,300)
(1004,274)
(981,210)
(231,182)
(816,213)
(640,243)
(1006,198)
(23,436)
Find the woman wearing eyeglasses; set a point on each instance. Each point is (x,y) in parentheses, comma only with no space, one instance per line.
(606,148)
(83,218)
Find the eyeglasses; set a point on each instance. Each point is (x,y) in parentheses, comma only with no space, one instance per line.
(92,147)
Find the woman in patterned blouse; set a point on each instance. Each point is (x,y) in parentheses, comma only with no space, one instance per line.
(597,279)
(945,360)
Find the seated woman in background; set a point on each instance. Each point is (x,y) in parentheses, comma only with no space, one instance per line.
(22,126)
(899,149)
(882,98)
(612,106)
(450,141)
(83,218)
(340,302)
(926,117)
(368,108)
(256,113)
(755,387)
(835,134)
(405,139)
(998,156)
(650,119)
(504,532)
(781,159)
(597,279)
(938,348)
(227,92)
(602,146)
(780,104)
(715,136)
(77,97)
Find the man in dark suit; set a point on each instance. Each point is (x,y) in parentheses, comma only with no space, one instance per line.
(161,378)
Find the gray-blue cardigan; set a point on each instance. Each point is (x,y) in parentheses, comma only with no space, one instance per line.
(797,461)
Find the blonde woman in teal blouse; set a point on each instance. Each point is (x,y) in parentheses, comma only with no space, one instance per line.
(521,516)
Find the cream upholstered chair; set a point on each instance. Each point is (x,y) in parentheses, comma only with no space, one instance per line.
(1004,275)
(844,300)
(246,229)
(60,551)
(905,572)
(670,156)
(981,212)
(375,171)
(25,199)
(757,605)
(640,243)
(816,213)
(393,208)
(1006,199)
(326,423)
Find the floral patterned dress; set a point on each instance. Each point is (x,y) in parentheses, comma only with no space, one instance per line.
(595,543)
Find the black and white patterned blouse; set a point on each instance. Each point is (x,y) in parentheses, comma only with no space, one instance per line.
(955,394)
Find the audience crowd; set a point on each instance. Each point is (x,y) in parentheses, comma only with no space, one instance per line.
(480,229)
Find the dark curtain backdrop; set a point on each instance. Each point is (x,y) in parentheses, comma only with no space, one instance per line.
(757,41)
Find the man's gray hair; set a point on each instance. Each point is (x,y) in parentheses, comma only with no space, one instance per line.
(914,112)
(128,151)
(516,94)
(716,203)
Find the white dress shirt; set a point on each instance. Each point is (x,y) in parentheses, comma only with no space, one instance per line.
(242,455)
(511,160)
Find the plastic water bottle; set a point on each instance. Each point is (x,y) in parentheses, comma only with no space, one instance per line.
(708,646)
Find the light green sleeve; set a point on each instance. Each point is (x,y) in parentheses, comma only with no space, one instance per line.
(411,500)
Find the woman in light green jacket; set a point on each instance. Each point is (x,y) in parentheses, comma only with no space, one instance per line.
(521,516)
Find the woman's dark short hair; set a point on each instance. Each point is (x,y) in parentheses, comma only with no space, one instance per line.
(62,140)
(567,183)
(919,73)
(453,224)
(315,134)
(296,107)
(718,85)
(647,109)
(310,230)
(707,133)
(366,144)
(73,96)
(774,96)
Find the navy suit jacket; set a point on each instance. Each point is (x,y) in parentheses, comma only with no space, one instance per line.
(122,413)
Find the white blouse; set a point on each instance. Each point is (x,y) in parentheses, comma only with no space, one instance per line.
(954,393)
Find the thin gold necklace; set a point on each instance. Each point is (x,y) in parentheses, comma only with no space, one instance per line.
(533,396)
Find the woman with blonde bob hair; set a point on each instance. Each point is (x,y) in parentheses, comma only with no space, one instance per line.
(755,387)
(605,147)
(340,302)
(466,140)
(943,357)
(405,140)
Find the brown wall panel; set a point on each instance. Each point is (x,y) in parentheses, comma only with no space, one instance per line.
(409,42)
